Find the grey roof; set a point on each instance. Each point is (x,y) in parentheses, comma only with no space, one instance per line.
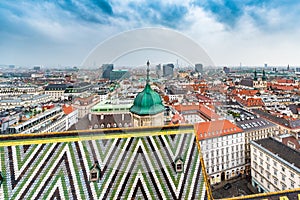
(277,148)
(281,121)
(11,101)
(254,124)
(294,108)
(247,82)
(56,87)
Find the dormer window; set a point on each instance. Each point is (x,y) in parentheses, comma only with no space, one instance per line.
(179,165)
(95,172)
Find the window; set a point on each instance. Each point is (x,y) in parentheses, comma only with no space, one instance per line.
(292,184)
(275,180)
(95,172)
(292,175)
(283,177)
(94,175)
(179,165)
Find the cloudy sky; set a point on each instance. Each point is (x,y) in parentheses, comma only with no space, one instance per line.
(62,33)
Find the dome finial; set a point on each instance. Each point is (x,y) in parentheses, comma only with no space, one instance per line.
(148,71)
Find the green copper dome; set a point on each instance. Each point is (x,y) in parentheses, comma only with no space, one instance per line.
(147,102)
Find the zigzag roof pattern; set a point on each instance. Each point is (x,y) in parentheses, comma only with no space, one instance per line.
(134,163)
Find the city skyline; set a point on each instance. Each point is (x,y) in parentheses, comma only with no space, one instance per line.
(231,32)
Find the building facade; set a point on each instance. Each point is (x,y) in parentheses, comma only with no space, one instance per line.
(274,166)
(223,149)
(255,128)
(168,70)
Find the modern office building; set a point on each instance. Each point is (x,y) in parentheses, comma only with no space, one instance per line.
(106,70)
(168,70)
(118,75)
(53,120)
(199,68)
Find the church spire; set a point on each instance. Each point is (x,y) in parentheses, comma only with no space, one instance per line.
(264,77)
(148,71)
(255,75)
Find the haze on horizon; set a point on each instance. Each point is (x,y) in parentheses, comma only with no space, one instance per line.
(62,33)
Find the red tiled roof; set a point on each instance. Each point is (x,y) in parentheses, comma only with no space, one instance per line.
(177,119)
(214,129)
(250,102)
(283,87)
(203,109)
(181,108)
(285,81)
(208,112)
(67,109)
(245,92)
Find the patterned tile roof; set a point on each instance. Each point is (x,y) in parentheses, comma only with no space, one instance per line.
(133,163)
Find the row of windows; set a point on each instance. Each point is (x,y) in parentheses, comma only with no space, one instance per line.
(228,137)
(238,147)
(217,132)
(227,164)
(222,144)
(278,171)
(109,109)
(274,181)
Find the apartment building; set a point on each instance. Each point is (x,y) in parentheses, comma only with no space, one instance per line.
(274,166)
(223,149)
(254,128)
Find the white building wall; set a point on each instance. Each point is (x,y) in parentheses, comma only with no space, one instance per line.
(270,174)
(224,156)
(72,119)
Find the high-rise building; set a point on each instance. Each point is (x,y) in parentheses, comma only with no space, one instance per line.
(226,70)
(298,70)
(158,70)
(119,74)
(107,68)
(168,70)
(199,68)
